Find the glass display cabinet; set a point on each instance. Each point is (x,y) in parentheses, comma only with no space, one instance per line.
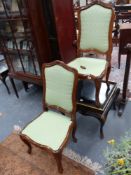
(17,43)
(31,33)
(16,39)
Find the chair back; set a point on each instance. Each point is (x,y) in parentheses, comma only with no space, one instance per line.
(59,87)
(95,24)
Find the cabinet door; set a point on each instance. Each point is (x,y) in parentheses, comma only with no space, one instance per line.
(51,28)
(65,27)
(23,38)
(16,40)
(39,30)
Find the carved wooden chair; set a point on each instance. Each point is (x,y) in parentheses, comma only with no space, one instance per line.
(95,24)
(51,129)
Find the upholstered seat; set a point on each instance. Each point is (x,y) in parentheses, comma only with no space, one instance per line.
(51,124)
(89,66)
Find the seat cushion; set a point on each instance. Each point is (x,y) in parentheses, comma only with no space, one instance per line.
(49,129)
(89,66)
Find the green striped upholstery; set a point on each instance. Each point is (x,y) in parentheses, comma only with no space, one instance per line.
(95,28)
(49,129)
(93,66)
(59,87)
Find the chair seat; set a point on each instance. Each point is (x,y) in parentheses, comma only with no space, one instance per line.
(49,129)
(89,66)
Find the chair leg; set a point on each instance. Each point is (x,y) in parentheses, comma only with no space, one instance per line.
(27,143)
(58,158)
(101,129)
(102,122)
(74,132)
(107,77)
(98,86)
(4,82)
(119,60)
(25,84)
(14,87)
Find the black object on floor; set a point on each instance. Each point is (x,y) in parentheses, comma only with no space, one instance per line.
(86,100)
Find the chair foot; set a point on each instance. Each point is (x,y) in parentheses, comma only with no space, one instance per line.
(101,134)
(101,129)
(27,143)
(14,87)
(29,149)
(58,158)
(73,133)
(25,84)
(4,82)
(74,139)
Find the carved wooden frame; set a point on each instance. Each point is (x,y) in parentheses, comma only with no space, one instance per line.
(97,79)
(57,154)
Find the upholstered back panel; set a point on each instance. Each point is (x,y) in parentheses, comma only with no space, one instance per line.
(94,23)
(59,87)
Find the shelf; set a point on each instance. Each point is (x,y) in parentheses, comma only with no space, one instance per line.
(27,64)
(15,51)
(17,34)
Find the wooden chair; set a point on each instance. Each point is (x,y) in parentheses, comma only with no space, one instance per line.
(51,129)
(95,24)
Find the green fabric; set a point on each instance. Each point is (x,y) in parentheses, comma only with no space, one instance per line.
(49,129)
(95,28)
(93,66)
(59,86)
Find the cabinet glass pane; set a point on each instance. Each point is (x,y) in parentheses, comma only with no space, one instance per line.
(16,38)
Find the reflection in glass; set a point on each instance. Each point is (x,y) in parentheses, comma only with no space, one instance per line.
(15,36)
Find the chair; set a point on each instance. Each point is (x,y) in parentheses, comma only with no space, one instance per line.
(95,24)
(51,129)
